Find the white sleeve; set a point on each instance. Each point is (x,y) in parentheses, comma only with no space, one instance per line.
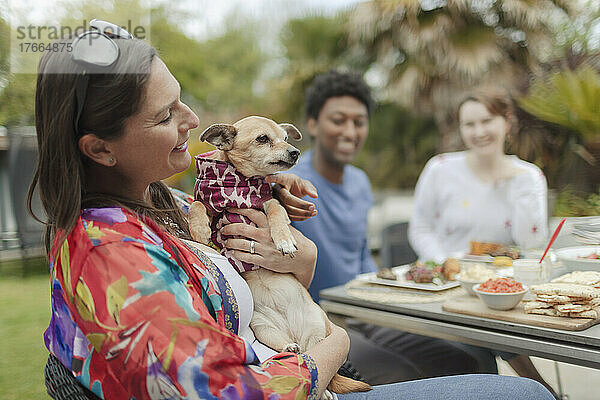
(528,194)
(421,233)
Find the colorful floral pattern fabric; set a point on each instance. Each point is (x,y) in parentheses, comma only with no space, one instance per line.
(138,315)
(220,186)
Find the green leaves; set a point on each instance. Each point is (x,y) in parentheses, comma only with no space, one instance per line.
(568,98)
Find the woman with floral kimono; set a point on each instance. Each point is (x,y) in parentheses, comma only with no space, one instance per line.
(138,311)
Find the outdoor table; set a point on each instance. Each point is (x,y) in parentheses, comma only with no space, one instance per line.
(574,347)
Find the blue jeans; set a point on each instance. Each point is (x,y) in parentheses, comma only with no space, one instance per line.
(458,387)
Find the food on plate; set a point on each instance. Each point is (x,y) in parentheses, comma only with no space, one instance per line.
(501,285)
(427,272)
(494,250)
(450,268)
(593,256)
(506,251)
(590,278)
(481,248)
(432,272)
(476,273)
(502,261)
(574,295)
(386,273)
(470,275)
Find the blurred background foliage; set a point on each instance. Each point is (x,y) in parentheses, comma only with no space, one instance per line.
(419,56)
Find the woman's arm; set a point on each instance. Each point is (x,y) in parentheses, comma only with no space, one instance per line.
(329,354)
(302,265)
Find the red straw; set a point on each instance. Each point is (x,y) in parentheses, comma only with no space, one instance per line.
(554,235)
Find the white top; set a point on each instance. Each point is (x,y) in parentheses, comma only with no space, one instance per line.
(453,207)
(243,297)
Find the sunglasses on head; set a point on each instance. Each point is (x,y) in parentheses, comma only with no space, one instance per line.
(96,51)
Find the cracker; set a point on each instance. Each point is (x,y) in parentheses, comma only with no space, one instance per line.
(584,314)
(566,289)
(590,278)
(561,314)
(572,308)
(555,298)
(530,305)
(543,311)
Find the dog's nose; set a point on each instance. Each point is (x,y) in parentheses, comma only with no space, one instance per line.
(294,154)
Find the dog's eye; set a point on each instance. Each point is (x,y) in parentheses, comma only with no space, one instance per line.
(263,139)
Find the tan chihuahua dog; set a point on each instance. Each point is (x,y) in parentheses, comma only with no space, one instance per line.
(285,317)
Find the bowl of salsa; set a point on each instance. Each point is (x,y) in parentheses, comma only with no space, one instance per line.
(500,293)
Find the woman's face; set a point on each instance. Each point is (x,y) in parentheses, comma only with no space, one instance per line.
(482,132)
(154,144)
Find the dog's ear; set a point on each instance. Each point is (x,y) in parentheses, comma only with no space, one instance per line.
(292,131)
(220,135)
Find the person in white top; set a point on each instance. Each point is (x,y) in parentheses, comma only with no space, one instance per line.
(481,194)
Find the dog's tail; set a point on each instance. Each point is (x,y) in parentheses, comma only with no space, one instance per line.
(340,384)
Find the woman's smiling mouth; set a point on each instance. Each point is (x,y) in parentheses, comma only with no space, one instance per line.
(181,147)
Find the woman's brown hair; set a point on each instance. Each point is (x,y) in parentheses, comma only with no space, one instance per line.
(112,97)
(496,102)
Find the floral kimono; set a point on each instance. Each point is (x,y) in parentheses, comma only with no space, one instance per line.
(136,314)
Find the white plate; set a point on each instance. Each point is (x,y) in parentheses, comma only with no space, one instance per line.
(570,258)
(474,258)
(401,282)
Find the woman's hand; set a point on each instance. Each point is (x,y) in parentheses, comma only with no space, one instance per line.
(289,190)
(302,265)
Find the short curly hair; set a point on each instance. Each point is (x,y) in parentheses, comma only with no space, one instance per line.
(336,84)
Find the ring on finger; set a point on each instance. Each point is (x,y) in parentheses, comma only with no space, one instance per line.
(252,246)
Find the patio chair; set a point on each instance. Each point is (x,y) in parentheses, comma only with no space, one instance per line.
(395,249)
(62,385)
(22,157)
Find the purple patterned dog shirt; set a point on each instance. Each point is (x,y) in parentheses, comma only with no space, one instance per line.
(219,186)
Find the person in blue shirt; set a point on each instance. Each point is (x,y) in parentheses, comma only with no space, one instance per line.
(344,194)
(338,107)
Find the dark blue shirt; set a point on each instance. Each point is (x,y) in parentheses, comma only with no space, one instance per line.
(340,228)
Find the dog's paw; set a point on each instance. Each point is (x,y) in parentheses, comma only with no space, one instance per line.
(286,247)
(284,240)
(199,223)
(327,395)
(293,347)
